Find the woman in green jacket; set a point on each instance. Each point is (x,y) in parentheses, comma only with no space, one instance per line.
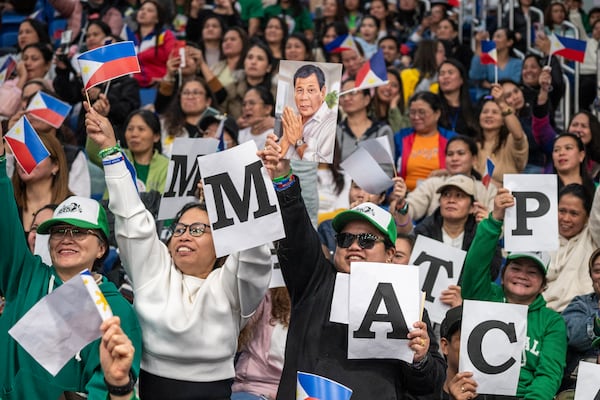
(523,280)
(78,241)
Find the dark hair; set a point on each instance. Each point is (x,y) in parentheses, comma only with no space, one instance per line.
(40,28)
(502,135)
(452,23)
(309,69)
(548,13)
(510,35)
(302,38)
(284,27)
(586,180)
(390,37)
(44,48)
(579,191)
(429,98)
(369,16)
(270,59)
(100,24)
(471,145)
(466,109)
(377,105)
(149,119)
(352,78)
(245,44)
(410,239)
(222,25)
(425,60)
(265,95)
(594,255)
(593,147)
(162,18)
(51,207)
(175,118)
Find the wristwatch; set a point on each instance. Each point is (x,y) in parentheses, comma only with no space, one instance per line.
(121,390)
(299,142)
(404,209)
(506,112)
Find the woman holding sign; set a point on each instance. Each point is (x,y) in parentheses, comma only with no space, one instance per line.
(523,280)
(191,304)
(78,241)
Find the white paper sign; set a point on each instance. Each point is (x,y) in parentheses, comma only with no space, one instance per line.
(492,339)
(440,266)
(62,323)
(240,199)
(41,248)
(588,384)
(532,224)
(183,174)
(366,172)
(339,302)
(383,306)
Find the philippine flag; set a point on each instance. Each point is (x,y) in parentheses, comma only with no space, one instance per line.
(488,52)
(7,69)
(372,73)
(341,43)
(26,145)
(108,62)
(315,387)
(571,49)
(487,174)
(49,109)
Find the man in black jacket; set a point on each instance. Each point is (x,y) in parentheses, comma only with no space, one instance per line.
(366,233)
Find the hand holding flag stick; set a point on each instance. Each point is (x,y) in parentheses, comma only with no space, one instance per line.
(99,128)
(116,352)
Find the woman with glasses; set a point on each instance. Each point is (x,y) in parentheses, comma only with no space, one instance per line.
(257,107)
(420,148)
(191,304)
(501,139)
(357,126)
(78,241)
(185,112)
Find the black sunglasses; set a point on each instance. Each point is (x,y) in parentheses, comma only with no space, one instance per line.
(365,240)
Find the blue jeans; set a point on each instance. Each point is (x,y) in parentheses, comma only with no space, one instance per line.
(246,396)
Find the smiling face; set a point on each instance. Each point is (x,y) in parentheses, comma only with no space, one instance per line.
(387,92)
(566,155)
(501,40)
(572,216)
(308,96)
(35,64)
(378,10)
(27,35)
(522,280)
(580,126)
(254,109)
(390,50)
(459,159)
(531,72)
(423,118)
(513,95)
(139,137)
(449,78)
(72,256)
(445,30)
(295,50)
(194,99)
(491,116)
(193,255)
(354,253)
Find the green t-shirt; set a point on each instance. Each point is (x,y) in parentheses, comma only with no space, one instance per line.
(250,9)
(142,171)
(299,23)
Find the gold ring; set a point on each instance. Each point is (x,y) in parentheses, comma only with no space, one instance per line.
(422,342)
(462,389)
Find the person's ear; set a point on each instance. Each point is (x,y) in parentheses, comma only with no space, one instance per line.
(444,346)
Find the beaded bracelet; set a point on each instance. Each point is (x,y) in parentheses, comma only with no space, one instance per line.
(281,186)
(109,151)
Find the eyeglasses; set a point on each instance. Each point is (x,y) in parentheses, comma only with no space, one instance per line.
(58,233)
(196,229)
(192,93)
(418,113)
(365,240)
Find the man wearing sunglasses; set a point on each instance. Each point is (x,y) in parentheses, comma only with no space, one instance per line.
(316,345)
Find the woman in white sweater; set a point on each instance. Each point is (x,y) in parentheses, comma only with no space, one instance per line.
(191,304)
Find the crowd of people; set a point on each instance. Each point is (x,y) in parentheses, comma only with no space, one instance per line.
(208,327)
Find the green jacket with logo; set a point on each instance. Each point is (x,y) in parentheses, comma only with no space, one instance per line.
(544,356)
(24,280)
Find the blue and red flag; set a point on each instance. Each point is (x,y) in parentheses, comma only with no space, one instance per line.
(108,62)
(341,43)
(488,52)
(571,49)
(373,73)
(26,145)
(48,109)
(315,387)
(487,174)
(7,68)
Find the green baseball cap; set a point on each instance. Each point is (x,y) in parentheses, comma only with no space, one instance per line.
(372,213)
(78,211)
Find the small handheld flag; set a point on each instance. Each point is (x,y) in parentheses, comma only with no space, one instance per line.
(489,171)
(48,109)
(341,43)
(26,145)
(108,62)
(571,49)
(7,69)
(488,52)
(315,387)
(373,73)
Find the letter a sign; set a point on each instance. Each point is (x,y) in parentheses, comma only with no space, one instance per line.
(241,202)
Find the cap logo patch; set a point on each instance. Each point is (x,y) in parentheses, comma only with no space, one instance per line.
(366,210)
(70,208)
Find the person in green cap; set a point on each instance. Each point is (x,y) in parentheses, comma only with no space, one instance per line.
(78,241)
(523,280)
(365,233)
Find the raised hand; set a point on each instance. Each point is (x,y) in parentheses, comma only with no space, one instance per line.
(99,128)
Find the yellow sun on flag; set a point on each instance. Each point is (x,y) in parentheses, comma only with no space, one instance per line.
(85,69)
(101,300)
